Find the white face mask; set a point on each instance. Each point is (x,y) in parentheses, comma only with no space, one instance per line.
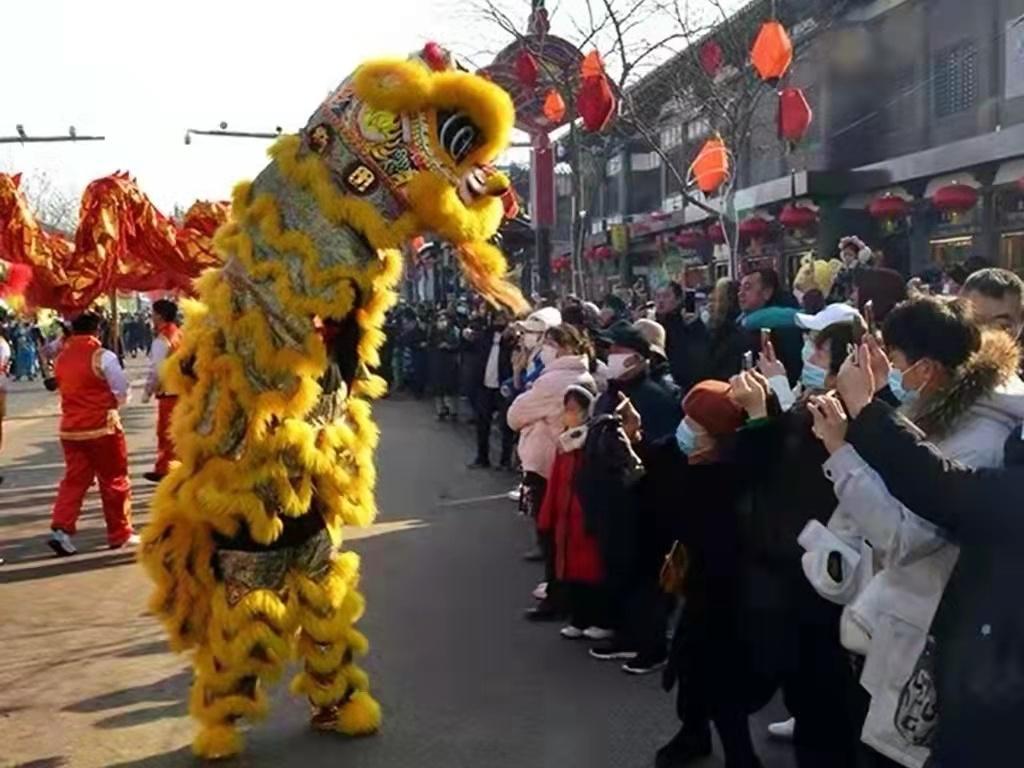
(547,355)
(620,363)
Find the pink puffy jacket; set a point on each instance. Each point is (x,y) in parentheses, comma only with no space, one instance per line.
(537,413)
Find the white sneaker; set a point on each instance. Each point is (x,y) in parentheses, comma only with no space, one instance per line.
(514,495)
(60,543)
(540,592)
(783,729)
(572,633)
(598,633)
(132,541)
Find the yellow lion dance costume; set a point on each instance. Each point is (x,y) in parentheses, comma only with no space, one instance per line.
(273,426)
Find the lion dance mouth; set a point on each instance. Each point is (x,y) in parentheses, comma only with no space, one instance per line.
(273,426)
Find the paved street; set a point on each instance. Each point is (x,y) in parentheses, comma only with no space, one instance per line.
(86,679)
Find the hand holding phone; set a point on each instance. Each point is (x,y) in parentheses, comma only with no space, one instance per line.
(690,302)
(748,360)
(869,316)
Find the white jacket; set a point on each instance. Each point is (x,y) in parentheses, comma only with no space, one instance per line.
(892,590)
(537,413)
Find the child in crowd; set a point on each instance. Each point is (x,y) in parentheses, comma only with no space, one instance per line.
(577,557)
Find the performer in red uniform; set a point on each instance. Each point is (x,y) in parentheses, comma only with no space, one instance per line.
(167,341)
(92,387)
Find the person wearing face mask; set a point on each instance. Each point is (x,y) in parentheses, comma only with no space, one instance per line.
(956,381)
(793,633)
(488,354)
(631,547)
(578,566)
(692,478)
(536,415)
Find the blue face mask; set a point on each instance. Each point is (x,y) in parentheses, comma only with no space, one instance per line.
(899,391)
(813,376)
(807,351)
(686,438)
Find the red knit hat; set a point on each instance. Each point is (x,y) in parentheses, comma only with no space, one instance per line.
(710,405)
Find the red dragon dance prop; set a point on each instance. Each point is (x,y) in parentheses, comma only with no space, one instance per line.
(123,242)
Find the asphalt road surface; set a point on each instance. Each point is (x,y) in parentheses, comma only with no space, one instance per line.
(86,678)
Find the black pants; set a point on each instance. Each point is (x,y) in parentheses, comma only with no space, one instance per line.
(487,403)
(588,605)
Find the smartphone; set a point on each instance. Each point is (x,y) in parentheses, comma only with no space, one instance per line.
(690,302)
(748,361)
(869,316)
(851,351)
(766,338)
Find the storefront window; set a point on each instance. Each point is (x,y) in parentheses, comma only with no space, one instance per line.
(1011,251)
(948,251)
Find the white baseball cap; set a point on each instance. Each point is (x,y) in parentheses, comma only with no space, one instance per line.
(833,313)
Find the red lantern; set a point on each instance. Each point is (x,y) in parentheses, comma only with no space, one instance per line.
(772,53)
(716,233)
(603,252)
(754,227)
(595,103)
(710,169)
(797,217)
(889,207)
(554,106)
(955,198)
(795,114)
(527,69)
(711,57)
(690,238)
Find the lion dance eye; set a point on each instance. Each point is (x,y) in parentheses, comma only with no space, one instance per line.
(457,134)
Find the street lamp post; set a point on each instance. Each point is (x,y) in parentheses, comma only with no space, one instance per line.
(24,138)
(223,132)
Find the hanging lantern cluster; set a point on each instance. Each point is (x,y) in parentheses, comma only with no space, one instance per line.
(889,207)
(691,239)
(955,198)
(711,57)
(600,253)
(755,228)
(561,264)
(710,169)
(772,53)
(595,103)
(795,115)
(798,217)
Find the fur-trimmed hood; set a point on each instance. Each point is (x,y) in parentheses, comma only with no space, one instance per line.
(987,386)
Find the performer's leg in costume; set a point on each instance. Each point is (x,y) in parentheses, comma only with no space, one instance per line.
(328,606)
(248,642)
(110,461)
(78,476)
(164,443)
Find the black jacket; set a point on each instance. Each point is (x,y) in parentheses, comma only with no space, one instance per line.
(687,347)
(478,349)
(784,487)
(726,345)
(979,627)
(656,400)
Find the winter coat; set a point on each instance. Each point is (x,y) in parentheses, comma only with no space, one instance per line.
(607,487)
(686,345)
(577,556)
(888,619)
(979,627)
(657,402)
(724,359)
(537,413)
(477,350)
(443,361)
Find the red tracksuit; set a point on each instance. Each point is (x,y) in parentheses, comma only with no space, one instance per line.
(93,442)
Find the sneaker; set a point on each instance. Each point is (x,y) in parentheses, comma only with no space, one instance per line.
(543,612)
(612,652)
(534,556)
(154,477)
(132,541)
(782,730)
(60,543)
(598,633)
(514,495)
(571,633)
(640,666)
(540,591)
